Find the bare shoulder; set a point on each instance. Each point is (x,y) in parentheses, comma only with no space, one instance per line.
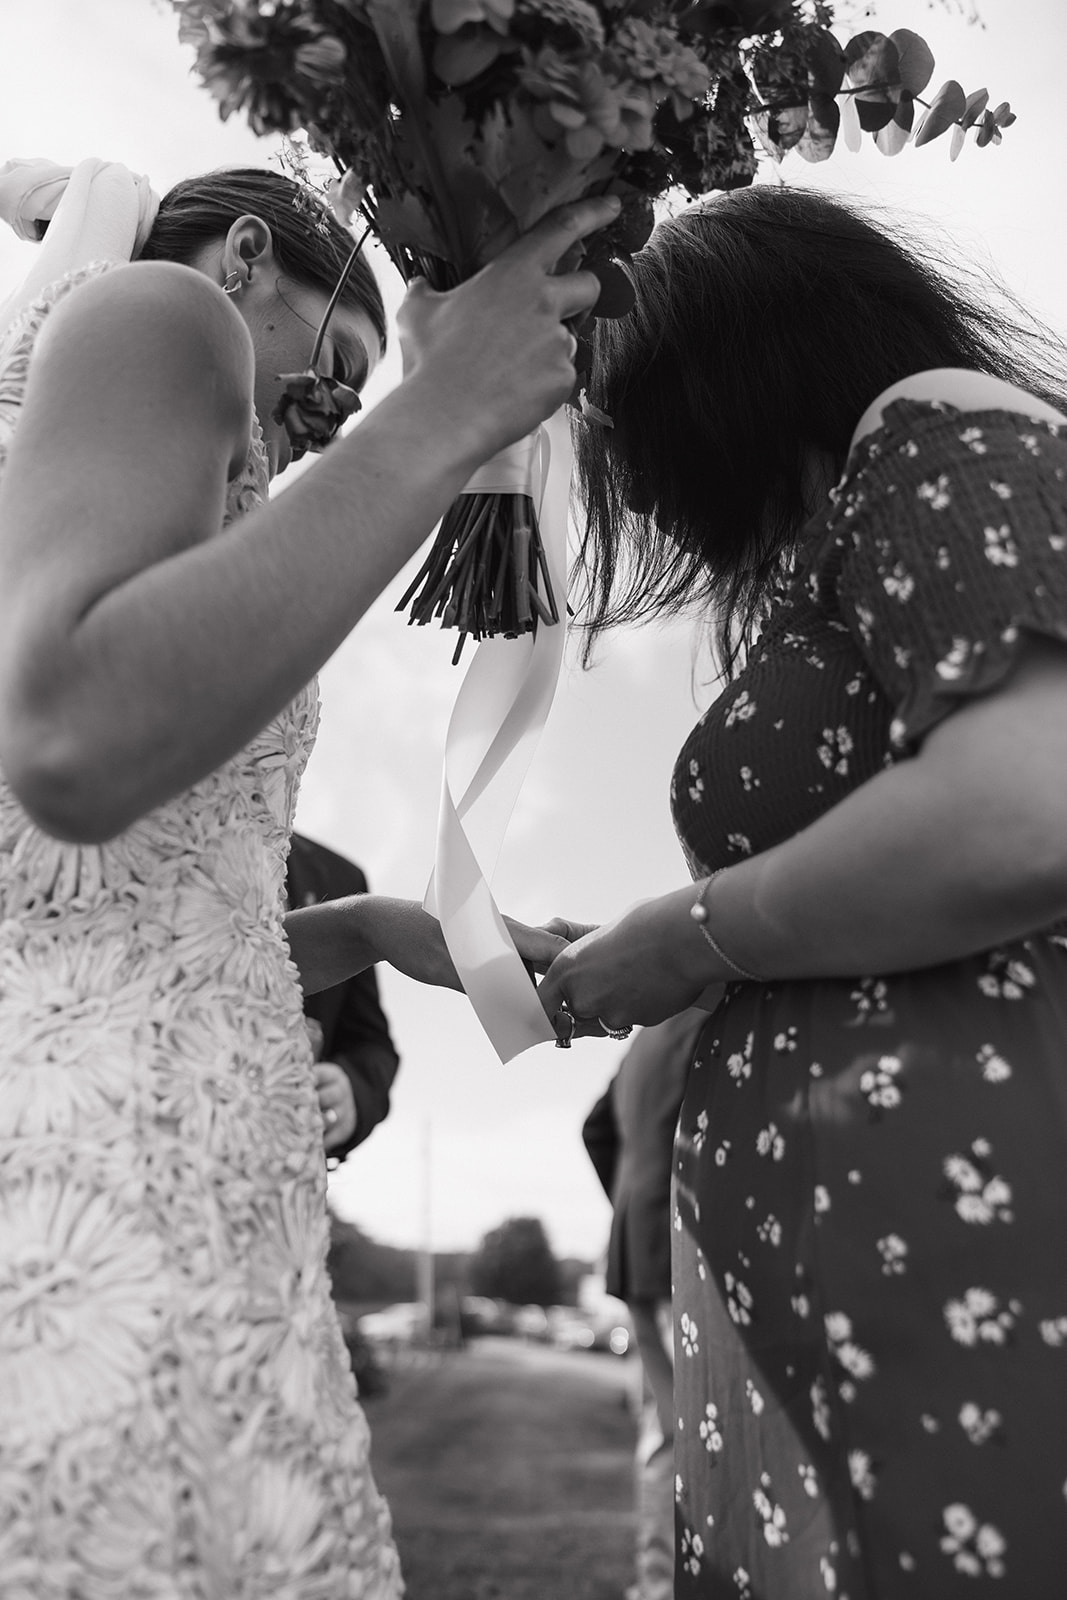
(148,319)
(968,391)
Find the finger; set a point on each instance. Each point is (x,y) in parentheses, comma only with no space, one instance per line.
(550,993)
(537,946)
(548,241)
(573,293)
(570,930)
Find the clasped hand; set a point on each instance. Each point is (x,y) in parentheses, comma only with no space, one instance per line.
(639,969)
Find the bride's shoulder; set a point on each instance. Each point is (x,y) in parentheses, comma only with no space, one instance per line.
(149,330)
(145,312)
(955,386)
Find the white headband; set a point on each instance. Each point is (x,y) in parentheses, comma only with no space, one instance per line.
(96,211)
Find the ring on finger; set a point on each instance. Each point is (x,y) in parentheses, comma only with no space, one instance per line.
(616,1033)
(563,1022)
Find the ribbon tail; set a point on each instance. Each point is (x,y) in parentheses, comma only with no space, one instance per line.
(496,724)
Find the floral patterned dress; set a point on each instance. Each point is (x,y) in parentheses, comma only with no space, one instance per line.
(870,1203)
(178,1418)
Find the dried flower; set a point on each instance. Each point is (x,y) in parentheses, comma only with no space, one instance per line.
(313,408)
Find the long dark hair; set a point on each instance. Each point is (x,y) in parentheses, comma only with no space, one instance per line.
(310,244)
(767,321)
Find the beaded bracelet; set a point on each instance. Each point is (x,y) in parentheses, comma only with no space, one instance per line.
(699,913)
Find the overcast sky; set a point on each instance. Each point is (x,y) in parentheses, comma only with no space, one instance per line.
(592,831)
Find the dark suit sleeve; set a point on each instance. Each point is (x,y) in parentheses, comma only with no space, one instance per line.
(600,1135)
(355,1028)
(362,1046)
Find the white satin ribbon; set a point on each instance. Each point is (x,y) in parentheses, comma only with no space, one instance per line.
(496,723)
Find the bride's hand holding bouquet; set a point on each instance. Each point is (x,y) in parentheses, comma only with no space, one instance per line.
(524,358)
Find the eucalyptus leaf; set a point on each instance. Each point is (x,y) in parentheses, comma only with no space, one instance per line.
(976,104)
(851,132)
(826,63)
(872,62)
(820,135)
(958,140)
(947,107)
(874,114)
(916,61)
(787,125)
(892,139)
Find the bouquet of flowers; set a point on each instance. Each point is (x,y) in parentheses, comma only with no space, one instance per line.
(454,125)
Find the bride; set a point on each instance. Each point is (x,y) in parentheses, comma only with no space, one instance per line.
(176,1410)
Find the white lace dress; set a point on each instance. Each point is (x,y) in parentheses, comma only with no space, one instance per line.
(178,1418)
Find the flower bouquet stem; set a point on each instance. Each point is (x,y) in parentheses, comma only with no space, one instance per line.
(486,572)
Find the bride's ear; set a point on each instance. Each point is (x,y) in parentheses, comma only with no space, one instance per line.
(249,245)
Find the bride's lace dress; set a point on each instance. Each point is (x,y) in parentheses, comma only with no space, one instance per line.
(178,1417)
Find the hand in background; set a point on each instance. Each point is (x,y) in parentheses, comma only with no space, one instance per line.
(337,1104)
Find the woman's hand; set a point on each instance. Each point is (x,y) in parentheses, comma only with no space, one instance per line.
(497,345)
(647,965)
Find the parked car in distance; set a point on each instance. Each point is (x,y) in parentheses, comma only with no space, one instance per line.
(479,1315)
(399,1324)
(574,1328)
(531,1322)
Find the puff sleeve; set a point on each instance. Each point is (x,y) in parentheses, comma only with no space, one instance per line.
(947,543)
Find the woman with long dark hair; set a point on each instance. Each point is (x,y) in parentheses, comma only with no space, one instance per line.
(177,1413)
(858,473)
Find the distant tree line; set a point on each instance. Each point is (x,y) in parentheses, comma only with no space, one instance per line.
(514,1262)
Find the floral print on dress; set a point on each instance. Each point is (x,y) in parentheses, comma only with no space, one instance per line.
(177,1408)
(864,1228)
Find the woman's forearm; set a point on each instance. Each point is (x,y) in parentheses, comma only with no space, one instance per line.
(332,941)
(257,610)
(891,879)
(955,851)
(336,939)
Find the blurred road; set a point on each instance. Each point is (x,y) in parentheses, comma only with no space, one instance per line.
(508,1467)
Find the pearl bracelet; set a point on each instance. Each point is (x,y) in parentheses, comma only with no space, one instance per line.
(699,913)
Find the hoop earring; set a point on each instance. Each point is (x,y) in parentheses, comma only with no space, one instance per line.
(233,282)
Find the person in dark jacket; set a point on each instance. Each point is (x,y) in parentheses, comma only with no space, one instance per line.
(356,1060)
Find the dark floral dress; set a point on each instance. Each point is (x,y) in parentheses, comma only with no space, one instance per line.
(870,1202)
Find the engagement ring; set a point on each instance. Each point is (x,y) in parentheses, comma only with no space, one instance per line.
(563,1022)
(616,1033)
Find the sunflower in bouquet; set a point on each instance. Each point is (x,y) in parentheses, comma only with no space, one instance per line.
(455,125)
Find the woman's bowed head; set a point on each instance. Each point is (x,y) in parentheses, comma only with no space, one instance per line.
(285,261)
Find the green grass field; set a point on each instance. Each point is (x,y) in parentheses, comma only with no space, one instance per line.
(509,1472)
